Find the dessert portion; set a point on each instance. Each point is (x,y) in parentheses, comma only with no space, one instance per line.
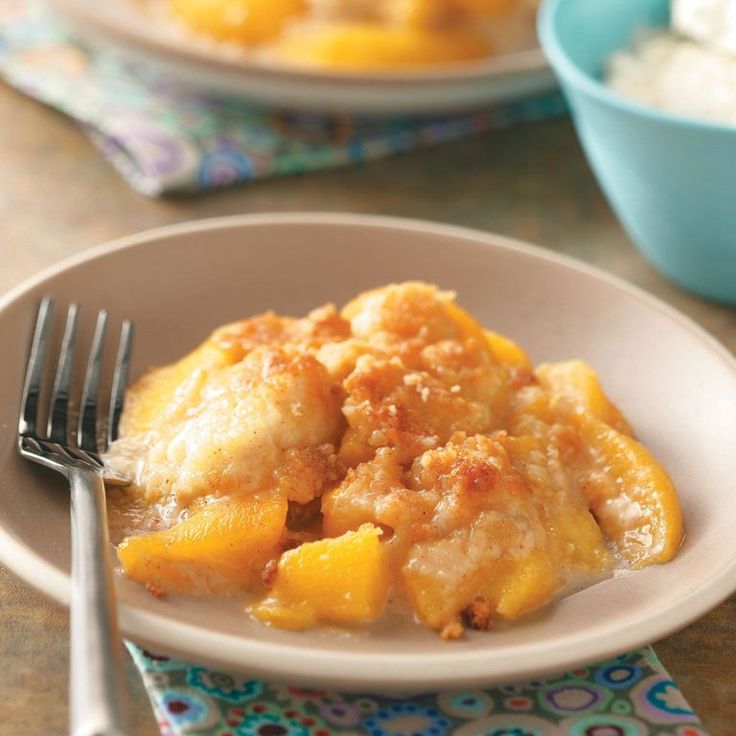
(395,451)
(360,35)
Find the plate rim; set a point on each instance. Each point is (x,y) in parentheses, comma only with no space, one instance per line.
(361,671)
(526,60)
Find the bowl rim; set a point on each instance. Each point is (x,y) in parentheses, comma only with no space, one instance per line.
(564,67)
(369,671)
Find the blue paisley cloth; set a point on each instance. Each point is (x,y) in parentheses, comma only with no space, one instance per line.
(632,695)
(165,139)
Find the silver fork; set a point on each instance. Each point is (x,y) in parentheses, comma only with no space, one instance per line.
(96,685)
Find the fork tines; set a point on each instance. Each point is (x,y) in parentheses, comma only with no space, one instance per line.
(57,430)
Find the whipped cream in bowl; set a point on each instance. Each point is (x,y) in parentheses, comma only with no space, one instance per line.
(688,68)
(707,22)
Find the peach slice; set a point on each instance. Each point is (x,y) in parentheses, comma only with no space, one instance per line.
(249,22)
(577,382)
(531,584)
(631,496)
(220,549)
(344,580)
(469,326)
(507,351)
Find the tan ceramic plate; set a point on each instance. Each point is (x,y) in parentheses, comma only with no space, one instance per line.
(124,24)
(676,384)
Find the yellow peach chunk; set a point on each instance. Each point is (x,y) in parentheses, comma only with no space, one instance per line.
(221,548)
(576,538)
(634,500)
(469,326)
(249,22)
(344,580)
(507,351)
(577,382)
(529,585)
(364,46)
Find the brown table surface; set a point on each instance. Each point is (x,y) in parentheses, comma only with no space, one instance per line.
(58,197)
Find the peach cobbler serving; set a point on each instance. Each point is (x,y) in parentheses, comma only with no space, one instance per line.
(361,34)
(394,453)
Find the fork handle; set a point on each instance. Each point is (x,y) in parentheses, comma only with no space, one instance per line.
(96,686)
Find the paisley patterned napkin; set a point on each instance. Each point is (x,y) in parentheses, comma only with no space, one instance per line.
(165,139)
(632,695)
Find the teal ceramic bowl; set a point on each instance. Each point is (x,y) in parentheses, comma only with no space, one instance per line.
(671,180)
